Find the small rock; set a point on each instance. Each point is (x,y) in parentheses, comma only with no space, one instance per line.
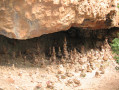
(57,76)
(82,74)
(90,60)
(102,72)
(102,62)
(48,69)
(84,59)
(80,68)
(20,74)
(69,74)
(81,62)
(88,69)
(76,70)
(10,80)
(105,64)
(30,74)
(50,84)
(101,68)
(63,77)
(61,70)
(43,75)
(76,81)
(97,65)
(38,86)
(69,81)
(105,58)
(92,66)
(97,74)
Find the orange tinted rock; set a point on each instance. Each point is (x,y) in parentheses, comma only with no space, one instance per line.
(10,80)
(23,19)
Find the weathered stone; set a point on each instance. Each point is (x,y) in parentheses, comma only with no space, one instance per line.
(23,19)
(63,77)
(97,74)
(76,81)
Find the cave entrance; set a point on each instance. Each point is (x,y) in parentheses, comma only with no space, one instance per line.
(78,39)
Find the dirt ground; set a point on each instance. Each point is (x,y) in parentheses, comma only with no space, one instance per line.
(12,78)
(84,62)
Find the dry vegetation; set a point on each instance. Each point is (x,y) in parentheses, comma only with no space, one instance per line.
(73,60)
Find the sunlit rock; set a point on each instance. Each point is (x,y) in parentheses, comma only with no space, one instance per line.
(24,19)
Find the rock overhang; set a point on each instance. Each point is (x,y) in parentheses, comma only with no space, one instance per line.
(24,19)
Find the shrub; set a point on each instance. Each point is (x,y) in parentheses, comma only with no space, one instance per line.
(115,48)
(118,5)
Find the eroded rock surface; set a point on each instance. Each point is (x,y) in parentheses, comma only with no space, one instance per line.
(23,19)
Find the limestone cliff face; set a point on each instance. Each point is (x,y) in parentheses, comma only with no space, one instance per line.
(23,19)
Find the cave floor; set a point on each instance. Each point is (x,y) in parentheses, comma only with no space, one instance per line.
(53,77)
(86,62)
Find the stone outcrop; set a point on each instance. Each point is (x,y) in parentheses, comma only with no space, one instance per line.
(23,19)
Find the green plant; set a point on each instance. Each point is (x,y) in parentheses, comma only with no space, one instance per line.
(118,5)
(115,48)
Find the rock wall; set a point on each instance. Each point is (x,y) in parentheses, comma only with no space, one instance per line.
(24,19)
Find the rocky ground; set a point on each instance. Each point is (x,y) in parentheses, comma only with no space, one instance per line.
(97,73)
(79,63)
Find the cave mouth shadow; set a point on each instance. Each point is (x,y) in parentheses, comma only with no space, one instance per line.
(76,38)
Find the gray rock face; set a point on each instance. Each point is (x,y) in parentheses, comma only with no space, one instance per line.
(24,19)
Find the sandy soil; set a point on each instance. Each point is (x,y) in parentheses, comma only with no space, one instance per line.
(53,77)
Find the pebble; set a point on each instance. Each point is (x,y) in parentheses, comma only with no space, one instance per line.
(57,76)
(63,77)
(50,84)
(97,75)
(10,80)
(20,74)
(105,58)
(80,68)
(102,72)
(61,70)
(69,74)
(88,69)
(76,81)
(82,74)
(70,81)
(76,70)
(38,86)
(101,68)
(92,67)
(81,62)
